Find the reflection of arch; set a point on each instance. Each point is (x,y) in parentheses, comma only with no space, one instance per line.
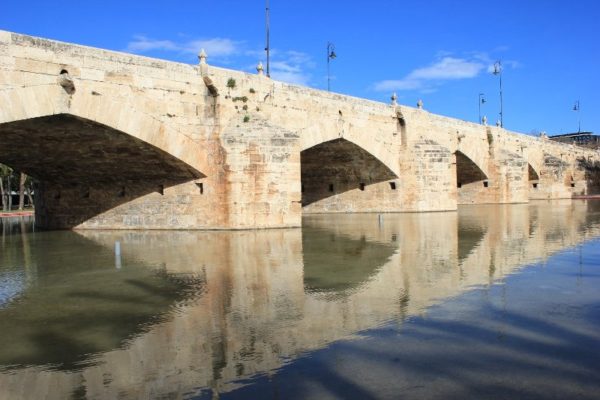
(336,266)
(19,104)
(338,166)
(467,171)
(84,319)
(470,235)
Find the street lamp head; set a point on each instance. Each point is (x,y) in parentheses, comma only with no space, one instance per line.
(331,51)
(497,68)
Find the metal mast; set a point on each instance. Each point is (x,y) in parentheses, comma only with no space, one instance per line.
(268,47)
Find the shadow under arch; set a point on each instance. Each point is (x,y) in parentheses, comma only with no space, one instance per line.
(121,114)
(338,166)
(532,173)
(85,165)
(467,171)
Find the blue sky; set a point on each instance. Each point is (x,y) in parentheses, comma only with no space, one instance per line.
(437,51)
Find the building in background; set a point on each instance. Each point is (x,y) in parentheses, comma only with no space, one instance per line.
(584,139)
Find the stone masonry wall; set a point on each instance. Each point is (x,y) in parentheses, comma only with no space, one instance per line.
(238,139)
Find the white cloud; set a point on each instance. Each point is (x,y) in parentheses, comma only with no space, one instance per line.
(291,67)
(444,69)
(142,44)
(296,78)
(288,66)
(214,47)
(448,68)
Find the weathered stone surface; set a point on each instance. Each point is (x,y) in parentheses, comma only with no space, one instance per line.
(133,142)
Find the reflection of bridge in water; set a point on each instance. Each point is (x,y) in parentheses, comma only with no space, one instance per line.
(265,297)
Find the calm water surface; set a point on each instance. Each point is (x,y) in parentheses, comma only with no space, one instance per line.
(488,302)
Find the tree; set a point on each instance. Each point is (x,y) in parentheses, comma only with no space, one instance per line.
(22,180)
(5,173)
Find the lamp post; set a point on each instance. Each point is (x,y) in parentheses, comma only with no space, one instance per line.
(268,46)
(576,108)
(498,71)
(481,101)
(330,56)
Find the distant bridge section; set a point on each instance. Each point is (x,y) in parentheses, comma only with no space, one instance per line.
(127,142)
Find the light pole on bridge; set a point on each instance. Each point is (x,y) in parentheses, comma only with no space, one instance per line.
(576,108)
(481,101)
(498,71)
(268,44)
(330,56)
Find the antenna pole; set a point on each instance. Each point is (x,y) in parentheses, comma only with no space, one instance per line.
(268,47)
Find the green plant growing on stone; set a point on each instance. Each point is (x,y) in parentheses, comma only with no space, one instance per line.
(246,118)
(252,90)
(231,83)
(245,107)
(242,98)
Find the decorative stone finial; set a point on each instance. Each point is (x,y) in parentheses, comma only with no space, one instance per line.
(498,123)
(394,99)
(202,57)
(484,120)
(260,69)
(420,104)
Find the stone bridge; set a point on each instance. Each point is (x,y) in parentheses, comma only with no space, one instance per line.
(127,142)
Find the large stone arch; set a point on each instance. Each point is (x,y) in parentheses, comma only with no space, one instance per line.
(23,103)
(477,153)
(101,163)
(340,176)
(471,179)
(327,131)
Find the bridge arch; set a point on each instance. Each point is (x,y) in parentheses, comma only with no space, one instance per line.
(335,173)
(327,131)
(28,103)
(467,171)
(90,154)
(532,174)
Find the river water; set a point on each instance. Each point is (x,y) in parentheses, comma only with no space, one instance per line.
(487,302)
